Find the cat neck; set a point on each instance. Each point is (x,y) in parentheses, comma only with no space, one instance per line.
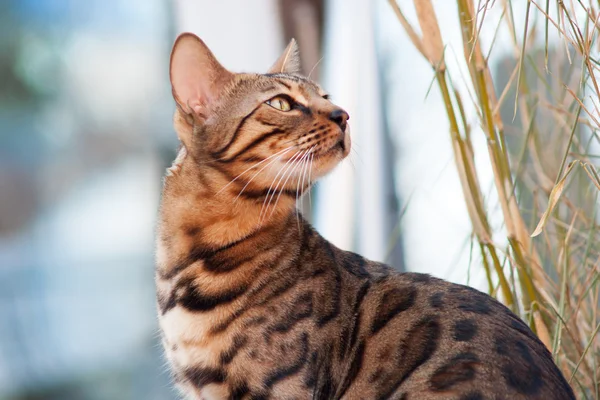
(198,210)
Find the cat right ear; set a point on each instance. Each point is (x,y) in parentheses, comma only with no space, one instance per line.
(289,61)
(197,78)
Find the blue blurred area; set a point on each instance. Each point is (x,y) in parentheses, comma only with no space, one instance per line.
(84,139)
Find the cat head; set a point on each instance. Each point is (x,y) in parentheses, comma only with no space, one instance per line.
(259,126)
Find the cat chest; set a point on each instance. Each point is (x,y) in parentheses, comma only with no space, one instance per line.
(188,341)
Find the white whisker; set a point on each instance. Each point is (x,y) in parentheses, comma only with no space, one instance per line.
(292,170)
(254,166)
(262,169)
(275,179)
(312,158)
(301,185)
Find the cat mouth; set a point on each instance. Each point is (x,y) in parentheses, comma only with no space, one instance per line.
(340,148)
(343,143)
(336,149)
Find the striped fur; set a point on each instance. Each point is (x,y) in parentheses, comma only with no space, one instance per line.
(254,304)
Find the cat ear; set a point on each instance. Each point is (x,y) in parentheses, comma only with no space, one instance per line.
(197,78)
(289,61)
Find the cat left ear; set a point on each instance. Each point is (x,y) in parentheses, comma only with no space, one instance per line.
(289,61)
(197,78)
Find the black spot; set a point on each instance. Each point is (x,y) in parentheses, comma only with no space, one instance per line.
(417,348)
(518,324)
(461,368)
(472,300)
(436,300)
(464,330)
(392,303)
(520,370)
(202,376)
(502,345)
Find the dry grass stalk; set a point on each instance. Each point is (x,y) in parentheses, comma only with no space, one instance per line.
(557,274)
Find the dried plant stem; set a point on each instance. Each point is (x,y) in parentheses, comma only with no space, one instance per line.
(552,282)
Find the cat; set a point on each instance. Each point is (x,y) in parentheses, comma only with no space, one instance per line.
(254,304)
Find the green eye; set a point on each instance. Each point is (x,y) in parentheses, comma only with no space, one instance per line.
(279,103)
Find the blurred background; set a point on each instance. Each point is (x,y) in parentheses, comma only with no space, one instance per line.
(86,134)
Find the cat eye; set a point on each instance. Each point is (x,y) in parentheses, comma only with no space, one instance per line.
(280,103)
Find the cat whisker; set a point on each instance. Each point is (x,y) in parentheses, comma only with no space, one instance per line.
(301,184)
(273,190)
(291,170)
(303,164)
(312,158)
(315,66)
(306,169)
(272,183)
(262,169)
(298,180)
(353,149)
(298,191)
(253,166)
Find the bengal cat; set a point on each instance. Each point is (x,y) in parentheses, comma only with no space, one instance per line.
(254,304)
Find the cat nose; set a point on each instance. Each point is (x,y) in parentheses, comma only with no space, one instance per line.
(340,117)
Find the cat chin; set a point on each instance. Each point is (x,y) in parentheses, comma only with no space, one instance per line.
(327,161)
(347,142)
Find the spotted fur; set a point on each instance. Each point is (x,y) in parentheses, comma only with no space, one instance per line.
(254,304)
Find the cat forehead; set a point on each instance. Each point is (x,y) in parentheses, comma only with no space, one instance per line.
(286,82)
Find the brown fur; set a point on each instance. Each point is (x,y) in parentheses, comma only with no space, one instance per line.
(254,304)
